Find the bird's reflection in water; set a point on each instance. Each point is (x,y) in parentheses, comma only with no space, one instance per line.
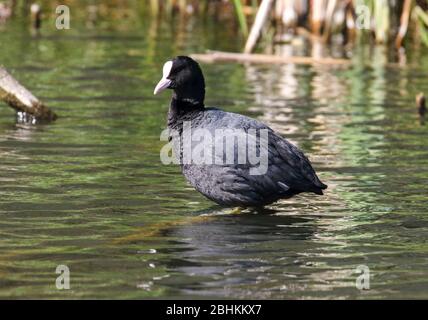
(236,249)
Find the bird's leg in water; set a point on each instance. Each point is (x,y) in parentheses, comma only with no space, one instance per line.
(236,210)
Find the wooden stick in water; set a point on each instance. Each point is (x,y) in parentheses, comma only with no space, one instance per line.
(22,100)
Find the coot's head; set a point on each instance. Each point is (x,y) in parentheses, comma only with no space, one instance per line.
(184,76)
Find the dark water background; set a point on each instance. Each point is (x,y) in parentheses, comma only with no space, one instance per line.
(89,191)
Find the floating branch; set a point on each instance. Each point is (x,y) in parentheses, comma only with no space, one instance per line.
(218,56)
(22,100)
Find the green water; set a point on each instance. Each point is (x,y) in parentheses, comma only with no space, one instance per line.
(89,191)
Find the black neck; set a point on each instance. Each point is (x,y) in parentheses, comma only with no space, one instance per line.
(181,109)
(193,93)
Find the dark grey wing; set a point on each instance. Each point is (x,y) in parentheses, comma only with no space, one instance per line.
(287,164)
(296,169)
(287,171)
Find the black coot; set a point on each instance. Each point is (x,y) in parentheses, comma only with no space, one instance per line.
(230,183)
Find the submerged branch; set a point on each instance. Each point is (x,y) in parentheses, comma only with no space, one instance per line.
(22,100)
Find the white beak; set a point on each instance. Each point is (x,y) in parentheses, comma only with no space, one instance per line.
(164,83)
